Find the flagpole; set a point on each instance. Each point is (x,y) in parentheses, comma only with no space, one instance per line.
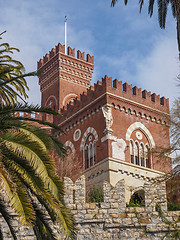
(65,22)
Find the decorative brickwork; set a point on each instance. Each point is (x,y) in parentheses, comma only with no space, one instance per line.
(115,114)
(112,126)
(126,95)
(59,72)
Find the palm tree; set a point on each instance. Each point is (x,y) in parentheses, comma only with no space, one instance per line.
(27,171)
(162,12)
(13,85)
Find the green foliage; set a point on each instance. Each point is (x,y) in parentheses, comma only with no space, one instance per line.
(137,199)
(173,206)
(96,194)
(27,170)
(131,204)
(13,85)
(173,229)
(162,9)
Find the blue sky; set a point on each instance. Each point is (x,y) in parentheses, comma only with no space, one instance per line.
(127,45)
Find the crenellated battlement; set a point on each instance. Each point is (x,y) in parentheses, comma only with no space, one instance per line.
(135,94)
(117,90)
(70,52)
(75,194)
(110,219)
(37,116)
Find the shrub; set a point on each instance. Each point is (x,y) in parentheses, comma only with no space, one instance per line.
(173,206)
(96,194)
(137,199)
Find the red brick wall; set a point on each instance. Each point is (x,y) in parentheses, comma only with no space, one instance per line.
(64,74)
(67,76)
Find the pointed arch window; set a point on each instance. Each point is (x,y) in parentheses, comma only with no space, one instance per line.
(141,143)
(89,153)
(86,158)
(132,151)
(147,157)
(136,153)
(141,154)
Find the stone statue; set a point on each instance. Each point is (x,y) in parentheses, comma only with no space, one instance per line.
(108,115)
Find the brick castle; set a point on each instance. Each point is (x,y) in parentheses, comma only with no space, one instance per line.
(111,128)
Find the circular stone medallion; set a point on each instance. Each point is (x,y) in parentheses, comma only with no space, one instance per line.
(90,138)
(139,135)
(77,135)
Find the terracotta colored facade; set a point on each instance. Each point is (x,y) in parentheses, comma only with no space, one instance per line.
(111,127)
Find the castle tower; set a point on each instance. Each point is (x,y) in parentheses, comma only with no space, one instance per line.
(63,77)
(111,128)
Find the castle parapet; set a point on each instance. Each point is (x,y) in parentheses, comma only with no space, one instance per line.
(155,194)
(75,192)
(70,52)
(37,116)
(135,94)
(124,91)
(110,219)
(114,197)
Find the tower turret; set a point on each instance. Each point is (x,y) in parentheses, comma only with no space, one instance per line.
(63,77)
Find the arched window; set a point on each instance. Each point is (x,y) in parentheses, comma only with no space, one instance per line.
(88,146)
(86,156)
(94,152)
(136,153)
(141,154)
(147,157)
(132,151)
(89,152)
(51,102)
(141,144)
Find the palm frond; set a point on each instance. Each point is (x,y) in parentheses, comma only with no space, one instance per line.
(5,109)
(27,171)
(173,7)
(42,228)
(141,3)
(1,234)
(22,76)
(32,151)
(7,218)
(58,146)
(113,3)
(151,7)
(12,76)
(162,12)
(20,199)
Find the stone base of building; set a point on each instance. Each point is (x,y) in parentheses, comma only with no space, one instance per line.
(113,170)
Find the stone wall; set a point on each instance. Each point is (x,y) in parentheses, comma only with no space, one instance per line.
(111,219)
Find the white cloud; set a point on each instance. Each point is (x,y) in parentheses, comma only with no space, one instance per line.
(123,42)
(158,71)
